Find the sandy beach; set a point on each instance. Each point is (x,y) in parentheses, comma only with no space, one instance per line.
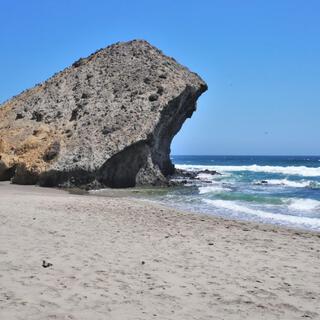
(121,258)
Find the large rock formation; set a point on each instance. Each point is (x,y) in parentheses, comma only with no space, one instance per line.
(107,120)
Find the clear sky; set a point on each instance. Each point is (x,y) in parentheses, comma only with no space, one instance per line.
(261,60)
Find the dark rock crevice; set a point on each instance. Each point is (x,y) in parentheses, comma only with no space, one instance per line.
(120,171)
(69,179)
(25,176)
(172,118)
(6,173)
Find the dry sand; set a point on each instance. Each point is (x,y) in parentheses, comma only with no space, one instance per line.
(119,258)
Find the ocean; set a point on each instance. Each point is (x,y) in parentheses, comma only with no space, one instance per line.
(282,190)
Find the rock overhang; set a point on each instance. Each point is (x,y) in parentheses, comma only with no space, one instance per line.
(107,120)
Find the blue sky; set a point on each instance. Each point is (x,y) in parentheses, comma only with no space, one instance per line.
(259,58)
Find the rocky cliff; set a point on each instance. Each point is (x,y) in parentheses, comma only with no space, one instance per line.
(107,120)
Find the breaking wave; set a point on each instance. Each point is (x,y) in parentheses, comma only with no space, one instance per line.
(289,183)
(289,170)
(304,204)
(313,223)
(213,189)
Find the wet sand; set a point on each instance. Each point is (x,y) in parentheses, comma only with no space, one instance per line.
(123,258)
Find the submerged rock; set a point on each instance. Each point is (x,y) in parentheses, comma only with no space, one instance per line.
(212,172)
(262,182)
(107,120)
(192,175)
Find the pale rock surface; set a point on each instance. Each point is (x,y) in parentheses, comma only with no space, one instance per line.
(107,120)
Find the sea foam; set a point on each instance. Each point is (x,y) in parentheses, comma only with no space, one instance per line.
(213,189)
(289,170)
(304,204)
(287,183)
(313,223)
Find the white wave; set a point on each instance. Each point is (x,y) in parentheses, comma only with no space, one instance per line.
(314,185)
(285,182)
(205,176)
(304,204)
(289,170)
(213,189)
(210,177)
(282,218)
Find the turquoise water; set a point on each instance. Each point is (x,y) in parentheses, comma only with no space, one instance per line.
(289,194)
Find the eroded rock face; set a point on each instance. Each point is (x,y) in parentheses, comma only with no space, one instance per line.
(107,120)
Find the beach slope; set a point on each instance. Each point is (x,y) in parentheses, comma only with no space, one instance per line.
(120,258)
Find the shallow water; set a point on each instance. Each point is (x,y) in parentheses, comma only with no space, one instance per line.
(269,189)
(273,189)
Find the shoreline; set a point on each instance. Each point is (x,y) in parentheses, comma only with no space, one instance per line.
(130,194)
(124,258)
